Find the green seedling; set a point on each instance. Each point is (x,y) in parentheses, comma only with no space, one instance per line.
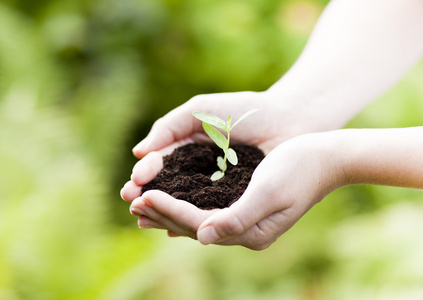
(209,124)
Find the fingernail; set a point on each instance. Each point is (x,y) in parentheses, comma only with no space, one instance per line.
(207,235)
(145,226)
(136,211)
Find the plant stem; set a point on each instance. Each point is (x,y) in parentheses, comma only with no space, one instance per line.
(224,157)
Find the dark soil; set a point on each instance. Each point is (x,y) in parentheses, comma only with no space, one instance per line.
(186,175)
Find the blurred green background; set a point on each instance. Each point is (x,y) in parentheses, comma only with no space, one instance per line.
(81,82)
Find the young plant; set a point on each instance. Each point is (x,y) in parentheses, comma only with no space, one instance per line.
(209,124)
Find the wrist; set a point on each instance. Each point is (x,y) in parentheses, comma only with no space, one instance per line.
(319,154)
(308,110)
(348,155)
(328,146)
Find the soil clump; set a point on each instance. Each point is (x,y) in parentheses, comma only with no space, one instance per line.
(186,175)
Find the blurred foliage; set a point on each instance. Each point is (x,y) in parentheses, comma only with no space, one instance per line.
(82,81)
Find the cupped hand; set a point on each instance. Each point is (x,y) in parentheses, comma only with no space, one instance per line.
(287,183)
(264,129)
(276,121)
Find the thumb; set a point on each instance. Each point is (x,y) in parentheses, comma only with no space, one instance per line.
(253,206)
(175,126)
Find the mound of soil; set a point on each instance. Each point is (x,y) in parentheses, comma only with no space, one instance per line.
(186,175)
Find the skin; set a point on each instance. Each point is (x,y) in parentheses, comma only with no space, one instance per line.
(261,215)
(358,50)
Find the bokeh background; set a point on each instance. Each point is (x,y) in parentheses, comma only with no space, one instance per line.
(82,81)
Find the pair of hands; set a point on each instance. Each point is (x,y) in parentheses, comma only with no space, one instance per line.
(351,58)
(296,173)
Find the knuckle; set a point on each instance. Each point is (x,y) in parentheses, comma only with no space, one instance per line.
(262,238)
(261,244)
(260,247)
(231,227)
(199,102)
(158,123)
(198,98)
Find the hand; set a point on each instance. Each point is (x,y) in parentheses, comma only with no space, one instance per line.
(281,116)
(289,181)
(278,120)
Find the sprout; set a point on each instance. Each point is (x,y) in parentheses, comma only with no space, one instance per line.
(209,124)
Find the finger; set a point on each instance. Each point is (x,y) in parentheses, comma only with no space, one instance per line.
(253,206)
(172,234)
(130,191)
(181,212)
(174,126)
(147,168)
(262,234)
(178,216)
(145,222)
(160,221)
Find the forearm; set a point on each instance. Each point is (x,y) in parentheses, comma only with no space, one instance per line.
(391,157)
(358,50)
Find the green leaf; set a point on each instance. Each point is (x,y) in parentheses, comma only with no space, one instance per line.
(228,123)
(248,113)
(217,175)
(221,164)
(210,119)
(216,136)
(231,156)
